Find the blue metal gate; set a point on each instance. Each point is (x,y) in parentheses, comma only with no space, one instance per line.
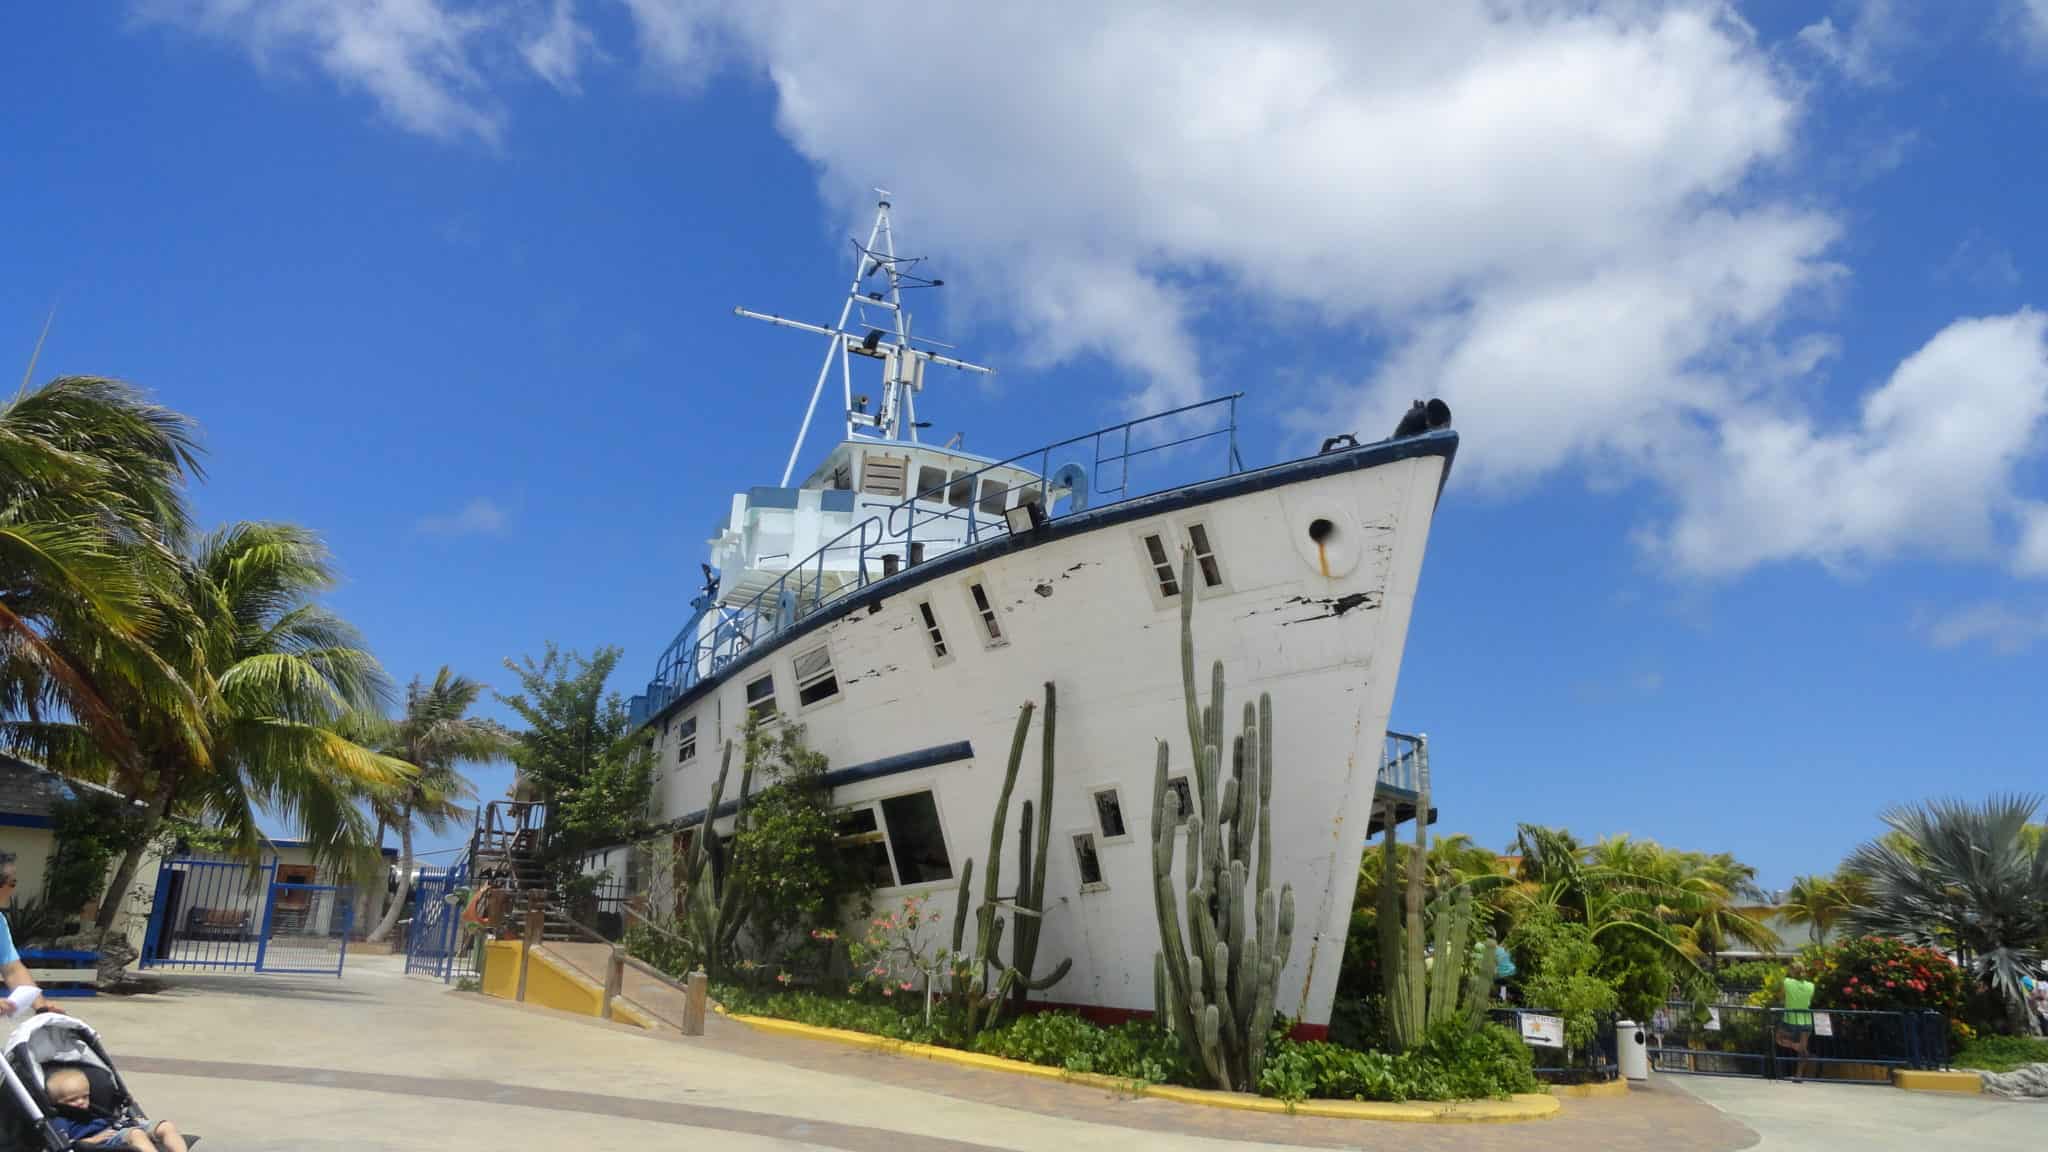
(227,915)
(434,940)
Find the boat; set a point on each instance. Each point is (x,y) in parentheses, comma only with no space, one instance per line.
(902,599)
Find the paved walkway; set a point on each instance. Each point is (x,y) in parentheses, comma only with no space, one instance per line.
(1872,1118)
(377,1060)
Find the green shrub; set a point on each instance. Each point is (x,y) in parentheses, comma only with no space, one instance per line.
(903,1021)
(1137,1050)
(2001,1053)
(1455,1063)
(667,951)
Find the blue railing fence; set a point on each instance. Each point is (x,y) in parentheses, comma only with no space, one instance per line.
(813,583)
(1745,1040)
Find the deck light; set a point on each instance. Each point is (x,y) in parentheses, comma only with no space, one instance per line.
(1025,516)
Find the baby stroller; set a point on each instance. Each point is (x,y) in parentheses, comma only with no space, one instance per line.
(40,1046)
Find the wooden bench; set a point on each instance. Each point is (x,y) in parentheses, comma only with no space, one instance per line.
(216,924)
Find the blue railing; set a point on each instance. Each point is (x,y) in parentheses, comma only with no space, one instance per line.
(804,589)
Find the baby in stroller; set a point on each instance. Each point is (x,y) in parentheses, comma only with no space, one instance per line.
(62,1093)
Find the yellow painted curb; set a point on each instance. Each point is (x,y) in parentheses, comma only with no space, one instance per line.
(1524,1107)
(1966,1083)
(1605,1090)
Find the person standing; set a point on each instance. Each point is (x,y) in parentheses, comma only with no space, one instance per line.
(13,972)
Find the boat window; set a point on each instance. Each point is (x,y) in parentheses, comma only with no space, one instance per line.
(1162,565)
(916,841)
(761,697)
(686,750)
(931,483)
(1205,556)
(1109,814)
(992,493)
(814,680)
(1179,784)
(863,846)
(961,492)
(1091,864)
(884,475)
(989,624)
(895,842)
(931,629)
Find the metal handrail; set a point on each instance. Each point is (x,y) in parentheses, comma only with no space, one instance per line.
(800,590)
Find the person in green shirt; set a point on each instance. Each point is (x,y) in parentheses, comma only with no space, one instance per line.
(1795,1023)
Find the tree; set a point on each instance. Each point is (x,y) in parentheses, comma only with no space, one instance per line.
(436,736)
(92,514)
(1817,902)
(575,752)
(1965,878)
(278,681)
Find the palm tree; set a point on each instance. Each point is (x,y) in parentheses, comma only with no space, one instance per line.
(1817,902)
(436,734)
(92,513)
(1965,878)
(278,681)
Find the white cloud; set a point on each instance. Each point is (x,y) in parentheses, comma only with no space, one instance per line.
(1929,468)
(479,517)
(1575,221)
(2031,557)
(1981,261)
(420,60)
(2002,626)
(556,53)
(2032,17)
(1874,30)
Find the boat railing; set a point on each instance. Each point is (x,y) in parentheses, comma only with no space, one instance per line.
(907,517)
(814,582)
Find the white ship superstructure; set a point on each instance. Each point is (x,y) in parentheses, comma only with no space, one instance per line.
(902,600)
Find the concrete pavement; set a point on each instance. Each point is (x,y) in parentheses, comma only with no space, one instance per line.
(378,1060)
(1871,1118)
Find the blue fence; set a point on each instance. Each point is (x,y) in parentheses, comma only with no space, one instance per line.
(1774,1043)
(227,915)
(435,943)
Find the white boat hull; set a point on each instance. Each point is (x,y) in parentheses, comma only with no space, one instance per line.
(1319,628)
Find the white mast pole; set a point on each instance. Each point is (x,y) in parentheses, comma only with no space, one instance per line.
(838,344)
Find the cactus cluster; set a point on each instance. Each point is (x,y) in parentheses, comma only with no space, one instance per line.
(714,912)
(982,1003)
(1422,992)
(1218,997)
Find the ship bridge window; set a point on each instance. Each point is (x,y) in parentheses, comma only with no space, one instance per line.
(815,682)
(931,483)
(884,475)
(1090,863)
(1109,814)
(990,626)
(993,492)
(761,697)
(686,747)
(1162,565)
(931,629)
(896,842)
(960,493)
(1205,556)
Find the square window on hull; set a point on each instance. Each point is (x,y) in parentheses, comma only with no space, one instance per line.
(761,697)
(1089,862)
(1162,565)
(815,682)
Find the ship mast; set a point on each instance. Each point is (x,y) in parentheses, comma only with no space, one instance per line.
(902,363)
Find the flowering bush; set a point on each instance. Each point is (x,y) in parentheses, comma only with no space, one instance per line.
(894,956)
(1877,973)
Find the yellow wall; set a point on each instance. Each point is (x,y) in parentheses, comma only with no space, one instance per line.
(550,983)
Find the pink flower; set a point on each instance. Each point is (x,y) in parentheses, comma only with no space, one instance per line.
(904,985)
(782,977)
(887,991)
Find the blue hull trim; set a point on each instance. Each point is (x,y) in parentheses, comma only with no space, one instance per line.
(1444,444)
(931,757)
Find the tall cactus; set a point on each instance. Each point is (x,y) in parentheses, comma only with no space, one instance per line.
(1421,994)
(1215,988)
(983,1003)
(714,912)
(1031,863)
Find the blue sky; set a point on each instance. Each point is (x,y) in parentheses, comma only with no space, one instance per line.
(1734,305)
